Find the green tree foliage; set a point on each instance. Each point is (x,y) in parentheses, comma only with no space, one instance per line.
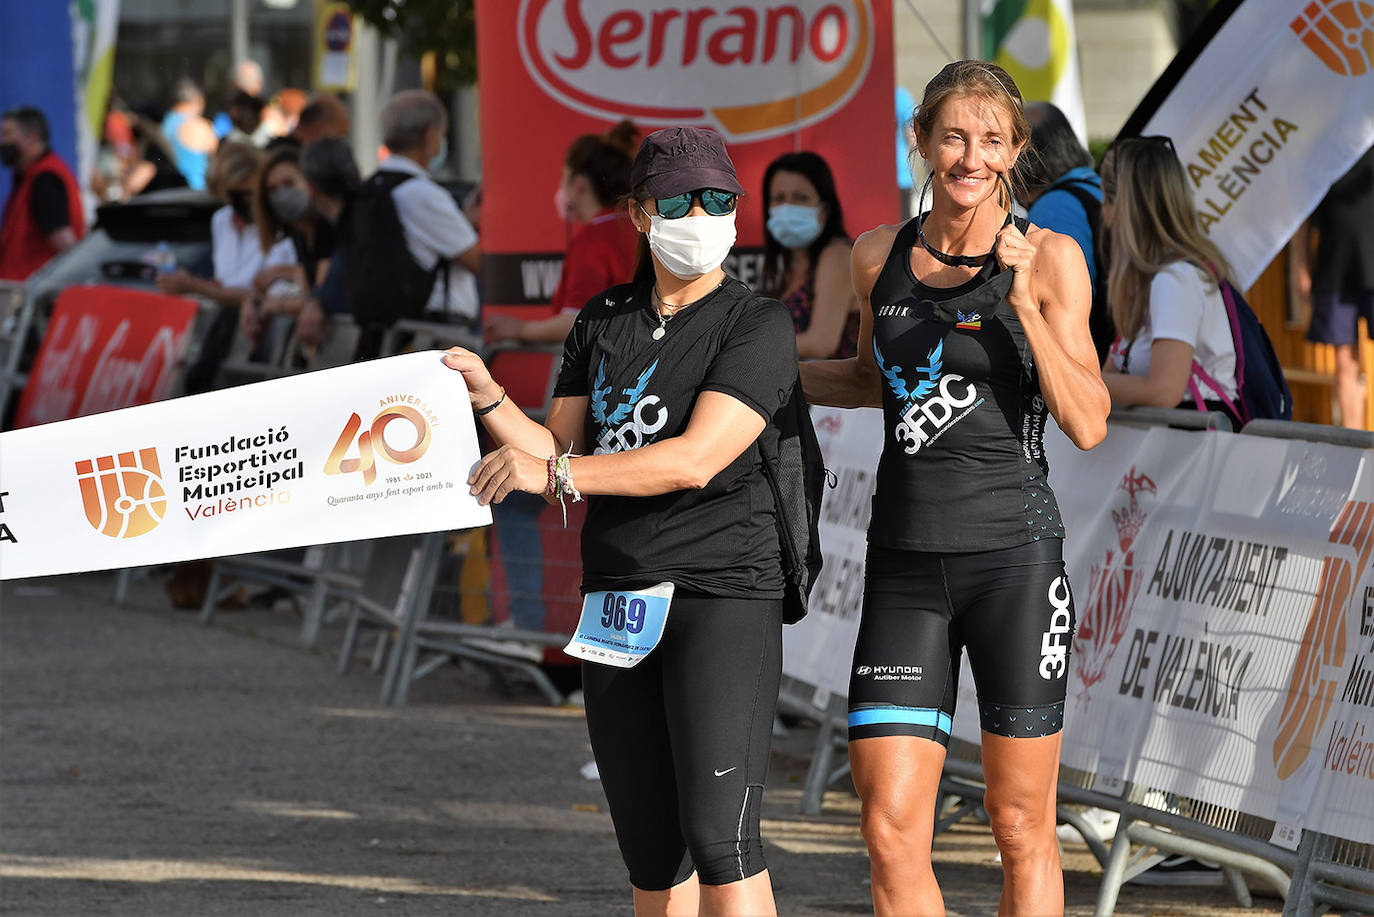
(446,27)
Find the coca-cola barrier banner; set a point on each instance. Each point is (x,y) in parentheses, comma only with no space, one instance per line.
(1224,592)
(775,78)
(106,347)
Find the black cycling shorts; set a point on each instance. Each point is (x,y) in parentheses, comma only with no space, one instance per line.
(1011,608)
(682,741)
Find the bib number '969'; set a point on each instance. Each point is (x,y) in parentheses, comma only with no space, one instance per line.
(619,614)
(622,627)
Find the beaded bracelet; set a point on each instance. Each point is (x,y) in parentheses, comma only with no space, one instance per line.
(562,485)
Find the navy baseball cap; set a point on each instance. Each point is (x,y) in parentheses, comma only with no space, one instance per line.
(678,159)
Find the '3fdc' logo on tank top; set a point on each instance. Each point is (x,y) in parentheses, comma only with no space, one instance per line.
(928,408)
(632,422)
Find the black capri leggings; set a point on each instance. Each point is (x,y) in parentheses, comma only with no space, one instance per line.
(682,741)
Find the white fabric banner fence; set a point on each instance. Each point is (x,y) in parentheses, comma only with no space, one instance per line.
(1224,586)
(1276,107)
(364,451)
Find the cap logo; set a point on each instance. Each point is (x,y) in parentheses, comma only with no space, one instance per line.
(749,72)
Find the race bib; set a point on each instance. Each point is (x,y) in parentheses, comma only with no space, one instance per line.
(621,628)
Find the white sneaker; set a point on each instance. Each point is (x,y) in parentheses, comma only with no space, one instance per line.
(1101,822)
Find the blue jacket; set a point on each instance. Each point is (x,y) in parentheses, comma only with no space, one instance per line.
(1060,211)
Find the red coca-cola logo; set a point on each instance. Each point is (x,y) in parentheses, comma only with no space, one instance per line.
(750,71)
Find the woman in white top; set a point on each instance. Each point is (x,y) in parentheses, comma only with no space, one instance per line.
(1175,340)
(237,254)
(236,250)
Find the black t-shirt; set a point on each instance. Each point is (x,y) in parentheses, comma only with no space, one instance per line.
(48,203)
(722,539)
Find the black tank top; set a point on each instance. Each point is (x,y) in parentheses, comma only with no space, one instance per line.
(963,465)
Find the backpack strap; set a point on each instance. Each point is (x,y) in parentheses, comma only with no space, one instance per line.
(1237,407)
(1092,207)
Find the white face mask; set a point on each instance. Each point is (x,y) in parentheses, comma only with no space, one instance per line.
(691,246)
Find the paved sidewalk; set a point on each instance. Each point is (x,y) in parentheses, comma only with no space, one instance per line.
(153,767)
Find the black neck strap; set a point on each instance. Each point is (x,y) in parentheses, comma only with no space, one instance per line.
(946,257)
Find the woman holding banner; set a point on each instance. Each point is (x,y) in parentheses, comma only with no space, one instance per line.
(669,381)
(974,324)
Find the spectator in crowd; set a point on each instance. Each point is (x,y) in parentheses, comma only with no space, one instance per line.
(601,241)
(438,234)
(245,116)
(806,255)
(43,214)
(237,255)
(281,209)
(191,137)
(1064,194)
(332,177)
(1175,334)
(324,116)
(1340,279)
(142,163)
(246,78)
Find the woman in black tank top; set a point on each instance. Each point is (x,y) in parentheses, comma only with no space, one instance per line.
(974,327)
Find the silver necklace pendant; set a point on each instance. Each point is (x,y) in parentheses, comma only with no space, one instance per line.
(659,332)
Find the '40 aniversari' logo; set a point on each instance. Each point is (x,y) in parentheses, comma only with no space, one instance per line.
(928,407)
(630,423)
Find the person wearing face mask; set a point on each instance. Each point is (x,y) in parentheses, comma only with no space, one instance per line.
(668,384)
(806,255)
(43,213)
(332,178)
(601,238)
(236,253)
(281,204)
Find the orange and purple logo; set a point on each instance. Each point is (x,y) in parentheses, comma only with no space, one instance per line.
(123,494)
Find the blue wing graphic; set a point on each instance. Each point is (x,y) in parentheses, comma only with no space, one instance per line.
(931,371)
(599,392)
(893,375)
(632,394)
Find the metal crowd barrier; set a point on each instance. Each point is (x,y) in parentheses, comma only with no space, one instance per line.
(16,315)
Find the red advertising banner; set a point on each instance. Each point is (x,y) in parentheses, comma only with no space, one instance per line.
(772,77)
(107,347)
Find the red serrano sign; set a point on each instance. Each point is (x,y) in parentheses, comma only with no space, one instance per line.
(772,77)
(106,347)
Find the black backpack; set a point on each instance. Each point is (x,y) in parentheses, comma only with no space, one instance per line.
(1100,324)
(795,470)
(1263,392)
(384,282)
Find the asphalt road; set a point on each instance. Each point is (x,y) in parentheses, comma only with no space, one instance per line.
(151,766)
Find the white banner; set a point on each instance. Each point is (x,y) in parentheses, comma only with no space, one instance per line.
(363,451)
(1224,587)
(1277,106)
